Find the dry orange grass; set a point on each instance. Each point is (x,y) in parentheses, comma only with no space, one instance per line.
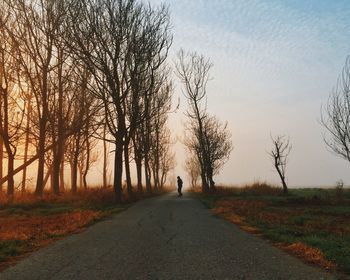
(257,188)
(226,209)
(235,211)
(309,254)
(91,195)
(41,227)
(242,211)
(37,221)
(261,188)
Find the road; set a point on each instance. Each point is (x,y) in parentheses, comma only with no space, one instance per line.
(165,237)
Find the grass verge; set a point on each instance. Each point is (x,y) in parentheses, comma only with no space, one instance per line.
(310,223)
(29,223)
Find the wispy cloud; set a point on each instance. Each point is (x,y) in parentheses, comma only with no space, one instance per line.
(273,59)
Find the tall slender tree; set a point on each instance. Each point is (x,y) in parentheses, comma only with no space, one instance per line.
(207,138)
(109,36)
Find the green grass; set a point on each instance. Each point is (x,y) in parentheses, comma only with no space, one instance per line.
(316,217)
(11,248)
(31,209)
(43,208)
(335,248)
(210,201)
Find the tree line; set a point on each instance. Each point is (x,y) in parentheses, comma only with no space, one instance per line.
(75,74)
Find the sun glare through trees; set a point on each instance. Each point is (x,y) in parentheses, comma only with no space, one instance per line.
(78,78)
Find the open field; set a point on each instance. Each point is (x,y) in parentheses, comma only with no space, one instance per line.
(29,223)
(310,223)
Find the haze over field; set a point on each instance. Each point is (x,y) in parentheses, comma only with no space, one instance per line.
(105,103)
(275,64)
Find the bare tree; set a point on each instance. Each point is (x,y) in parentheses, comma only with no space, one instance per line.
(207,137)
(193,169)
(160,135)
(68,54)
(72,156)
(105,156)
(110,36)
(28,108)
(193,71)
(279,154)
(335,116)
(11,112)
(87,155)
(218,146)
(37,22)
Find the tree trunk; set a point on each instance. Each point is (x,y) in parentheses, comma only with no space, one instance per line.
(84,178)
(47,175)
(285,188)
(105,156)
(80,178)
(74,166)
(74,172)
(138,163)
(147,175)
(118,169)
(87,162)
(57,159)
(127,167)
(42,130)
(210,179)
(155,179)
(163,179)
(59,149)
(26,146)
(205,186)
(62,186)
(10,153)
(51,180)
(24,165)
(41,159)
(1,160)
(283,179)
(10,167)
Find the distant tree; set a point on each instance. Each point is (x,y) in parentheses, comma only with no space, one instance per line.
(218,146)
(207,137)
(160,152)
(279,154)
(193,169)
(87,155)
(193,71)
(335,116)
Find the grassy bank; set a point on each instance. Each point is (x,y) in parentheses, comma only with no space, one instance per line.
(311,223)
(29,223)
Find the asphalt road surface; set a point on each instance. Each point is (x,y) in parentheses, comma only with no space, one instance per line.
(164,237)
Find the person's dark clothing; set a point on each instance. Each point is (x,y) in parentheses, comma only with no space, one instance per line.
(179,185)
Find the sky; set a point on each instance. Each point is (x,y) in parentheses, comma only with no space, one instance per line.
(275,64)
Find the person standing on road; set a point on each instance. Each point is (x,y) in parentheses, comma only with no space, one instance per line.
(179,185)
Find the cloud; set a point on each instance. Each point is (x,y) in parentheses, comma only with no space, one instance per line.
(275,62)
